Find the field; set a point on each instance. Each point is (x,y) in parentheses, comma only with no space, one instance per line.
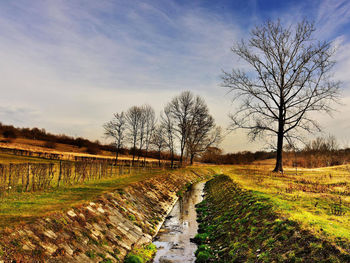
(18,206)
(319,199)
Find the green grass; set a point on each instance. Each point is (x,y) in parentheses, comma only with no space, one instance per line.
(141,254)
(24,207)
(6,158)
(305,197)
(236,225)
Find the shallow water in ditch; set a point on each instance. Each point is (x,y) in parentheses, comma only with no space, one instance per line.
(173,240)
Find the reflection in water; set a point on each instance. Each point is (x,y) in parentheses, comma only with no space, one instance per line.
(173,240)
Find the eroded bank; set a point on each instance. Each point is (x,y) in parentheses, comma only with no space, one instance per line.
(103,230)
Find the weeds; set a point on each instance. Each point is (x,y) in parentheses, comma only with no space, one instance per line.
(337,208)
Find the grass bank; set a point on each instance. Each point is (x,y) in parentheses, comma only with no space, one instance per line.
(240,226)
(318,199)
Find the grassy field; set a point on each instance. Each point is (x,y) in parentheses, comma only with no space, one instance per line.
(24,207)
(319,199)
(18,207)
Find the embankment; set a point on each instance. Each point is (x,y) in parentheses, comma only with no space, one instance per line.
(103,230)
(237,226)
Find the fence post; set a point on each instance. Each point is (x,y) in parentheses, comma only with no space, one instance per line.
(10,177)
(100,171)
(28,176)
(60,174)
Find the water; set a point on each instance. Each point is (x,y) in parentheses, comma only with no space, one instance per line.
(173,240)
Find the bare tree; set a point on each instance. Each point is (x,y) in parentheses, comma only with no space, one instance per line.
(180,111)
(115,129)
(133,118)
(159,141)
(290,79)
(142,130)
(201,131)
(150,117)
(168,123)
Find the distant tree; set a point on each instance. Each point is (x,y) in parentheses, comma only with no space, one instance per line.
(290,79)
(133,119)
(202,132)
(211,155)
(116,129)
(92,148)
(50,144)
(150,122)
(10,133)
(322,144)
(142,130)
(159,141)
(181,112)
(168,123)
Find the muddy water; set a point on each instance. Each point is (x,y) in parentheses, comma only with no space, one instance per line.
(173,240)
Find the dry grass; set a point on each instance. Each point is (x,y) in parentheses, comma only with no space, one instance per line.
(64,149)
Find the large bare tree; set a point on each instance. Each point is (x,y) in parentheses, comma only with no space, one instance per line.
(290,79)
(115,129)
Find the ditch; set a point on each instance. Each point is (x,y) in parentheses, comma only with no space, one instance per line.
(173,241)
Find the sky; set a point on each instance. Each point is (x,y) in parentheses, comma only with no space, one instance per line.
(68,65)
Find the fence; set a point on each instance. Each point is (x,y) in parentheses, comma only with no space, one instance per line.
(31,177)
(71,157)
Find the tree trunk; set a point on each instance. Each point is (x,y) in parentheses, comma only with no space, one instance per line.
(279,167)
(116,157)
(144,158)
(181,157)
(138,155)
(159,153)
(133,157)
(192,156)
(172,160)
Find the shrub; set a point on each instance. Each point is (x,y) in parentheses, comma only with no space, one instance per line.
(133,259)
(91,254)
(50,144)
(92,149)
(203,256)
(9,134)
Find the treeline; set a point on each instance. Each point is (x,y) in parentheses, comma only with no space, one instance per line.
(215,156)
(10,132)
(320,152)
(184,126)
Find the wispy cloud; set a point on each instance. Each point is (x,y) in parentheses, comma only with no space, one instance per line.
(331,16)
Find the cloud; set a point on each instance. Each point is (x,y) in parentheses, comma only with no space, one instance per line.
(68,65)
(331,16)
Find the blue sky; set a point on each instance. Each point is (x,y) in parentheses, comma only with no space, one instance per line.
(68,65)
